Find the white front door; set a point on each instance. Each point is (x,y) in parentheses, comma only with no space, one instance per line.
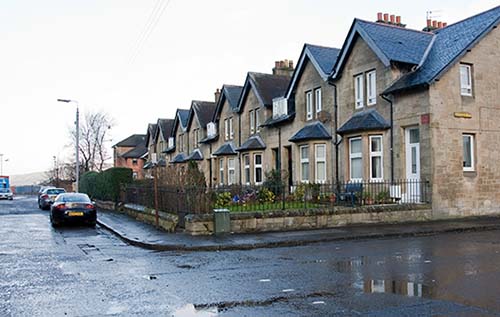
(412,194)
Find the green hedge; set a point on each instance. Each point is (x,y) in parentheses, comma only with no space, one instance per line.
(105,185)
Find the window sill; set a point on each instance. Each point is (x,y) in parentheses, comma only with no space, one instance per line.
(470,174)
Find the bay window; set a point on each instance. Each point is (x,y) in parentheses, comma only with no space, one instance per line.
(304,164)
(320,157)
(355,159)
(376,158)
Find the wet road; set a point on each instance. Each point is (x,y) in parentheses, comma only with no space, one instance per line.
(80,271)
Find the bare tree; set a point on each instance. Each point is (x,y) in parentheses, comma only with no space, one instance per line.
(94,132)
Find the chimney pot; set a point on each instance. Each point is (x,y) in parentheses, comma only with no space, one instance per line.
(440,24)
(290,64)
(445,24)
(386,17)
(398,19)
(379,16)
(277,64)
(434,23)
(282,64)
(429,23)
(392,18)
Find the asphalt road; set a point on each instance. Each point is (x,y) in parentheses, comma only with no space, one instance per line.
(81,271)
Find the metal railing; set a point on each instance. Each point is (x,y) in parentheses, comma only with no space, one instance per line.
(239,198)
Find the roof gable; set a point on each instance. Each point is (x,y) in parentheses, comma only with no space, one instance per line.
(230,93)
(150,134)
(322,58)
(163,127)
(203,111)
(265,86)
(390,43)
(449,45)
(180,120)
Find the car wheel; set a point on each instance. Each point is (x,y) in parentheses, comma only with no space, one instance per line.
(92,224)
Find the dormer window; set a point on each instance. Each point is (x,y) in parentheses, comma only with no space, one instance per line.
(309,105)
(280,107)
(466,80)
(171,142)
(211,129)
(231,130)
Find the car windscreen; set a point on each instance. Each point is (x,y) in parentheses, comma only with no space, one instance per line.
(4,190)
(74,198)
(55,191)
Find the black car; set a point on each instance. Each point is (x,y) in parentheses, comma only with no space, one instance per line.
(73,207)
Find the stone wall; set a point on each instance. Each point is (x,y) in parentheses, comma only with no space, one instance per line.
(166,221)
(252,222)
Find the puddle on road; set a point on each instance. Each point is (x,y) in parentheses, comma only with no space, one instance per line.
(190,311)
(405,288)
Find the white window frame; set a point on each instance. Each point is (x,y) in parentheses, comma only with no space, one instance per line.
(318,159)
(171,142)
(466,87)
(377,154)
(226,129)
(231,129)
(246,168)
(359,95)
(221,171)
(309,105)
(304,161)
(257,119)
(257,166)
(211,129)
(355,156)
(471,142)
(252,122)
(317,100)
(371,88)
(231,171)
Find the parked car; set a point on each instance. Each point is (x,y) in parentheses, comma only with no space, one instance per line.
(6,193)
(73,207)
(48,197)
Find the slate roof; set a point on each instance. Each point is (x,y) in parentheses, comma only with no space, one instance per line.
(169,149)
(151,132)
(132,141)
(232,93)
(265,86)
(449,44)
(225,149)
(183,116)
(179,158)
(195,156)
(137,152)
(162,162)
(322,56)
(166,127)
(312,131)
(390,43)
(148,165)
(204,111)
(277,121)
(209,139)
(254,142)
(367,120)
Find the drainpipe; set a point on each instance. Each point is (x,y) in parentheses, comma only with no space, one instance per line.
(210,166)
(386,98)
(334,136)
(239,145)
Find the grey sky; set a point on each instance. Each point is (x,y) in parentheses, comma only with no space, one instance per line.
(83,49)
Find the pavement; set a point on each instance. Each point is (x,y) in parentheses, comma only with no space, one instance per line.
(148,236)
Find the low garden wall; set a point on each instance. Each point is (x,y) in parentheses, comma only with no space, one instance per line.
(166,221)
(287,220)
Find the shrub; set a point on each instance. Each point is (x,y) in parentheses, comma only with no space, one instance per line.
(105,185)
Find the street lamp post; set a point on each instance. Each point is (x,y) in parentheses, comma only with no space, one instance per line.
(77,147)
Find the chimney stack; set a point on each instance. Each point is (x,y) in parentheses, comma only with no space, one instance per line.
(283,68)
(445,24)
(434,25)
(391,19)
(217,95)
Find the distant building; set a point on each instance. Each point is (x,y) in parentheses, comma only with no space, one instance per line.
(131,152)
